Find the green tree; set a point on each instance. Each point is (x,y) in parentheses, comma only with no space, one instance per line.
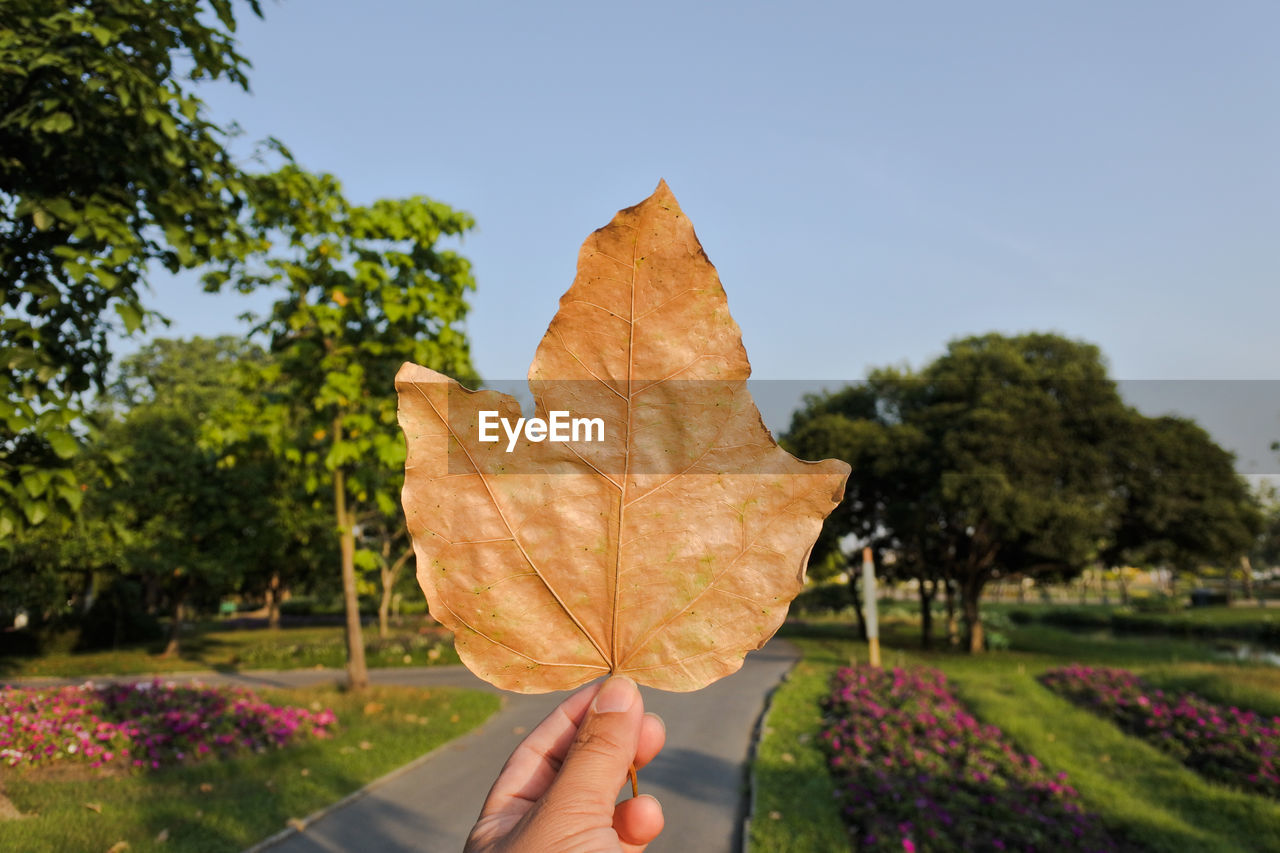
(109,170)
(1181,502)
(365,289)
(389,549)
(54,570)
(1024,424)
(863,425)
(990,461)
(198,517)
(1267,548)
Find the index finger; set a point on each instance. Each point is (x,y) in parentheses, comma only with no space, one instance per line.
(536,761)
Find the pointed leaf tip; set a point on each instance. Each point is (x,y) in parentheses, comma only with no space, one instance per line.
(663,545)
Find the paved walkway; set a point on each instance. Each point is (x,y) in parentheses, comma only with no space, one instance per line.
(430,806)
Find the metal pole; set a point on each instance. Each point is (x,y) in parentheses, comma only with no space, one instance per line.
(869,607)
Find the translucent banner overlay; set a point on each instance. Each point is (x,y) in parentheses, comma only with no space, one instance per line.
(693,426)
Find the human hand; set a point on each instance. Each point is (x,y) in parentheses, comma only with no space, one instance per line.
(557,791)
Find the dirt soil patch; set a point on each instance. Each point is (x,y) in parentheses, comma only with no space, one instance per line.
(8,811)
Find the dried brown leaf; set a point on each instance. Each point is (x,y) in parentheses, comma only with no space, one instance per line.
(664,552)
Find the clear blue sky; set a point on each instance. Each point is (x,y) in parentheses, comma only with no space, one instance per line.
(871,180)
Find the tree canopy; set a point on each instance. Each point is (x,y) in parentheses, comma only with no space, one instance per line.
(364,288)
(1016,456)
(109,170)
(178,516)
(199,517)
(1181,502)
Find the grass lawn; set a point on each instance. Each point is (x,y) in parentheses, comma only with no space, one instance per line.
(229,805)
(286,648)
(1141,793)
(1257,688)
(794,808)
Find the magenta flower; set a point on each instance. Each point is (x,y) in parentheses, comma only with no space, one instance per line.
(1228,745)
(916,771)
(148,724)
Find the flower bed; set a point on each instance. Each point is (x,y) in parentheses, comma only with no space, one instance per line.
(147,725)
(1230,745)
(916,772)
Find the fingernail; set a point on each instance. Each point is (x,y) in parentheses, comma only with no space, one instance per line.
(617,694)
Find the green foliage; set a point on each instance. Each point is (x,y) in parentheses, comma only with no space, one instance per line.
(1016,456)
(117,617)
(990,460)
(330,650)
(1156,603)
(364,289)
(1181,501)
(198,517)
(49,570)
(50,653)
(822,599)
(1063,617)
(1266,548)
(108,169)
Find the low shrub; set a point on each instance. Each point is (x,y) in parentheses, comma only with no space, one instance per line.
(298,607)
(118,617)
(996,627)
(1157,603)
(1021,616)
(424,648)
(19,642)
(821,599)
(1077,617)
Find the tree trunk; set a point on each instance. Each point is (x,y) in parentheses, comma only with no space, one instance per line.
(388,573)
(1246,573)
(174,646)
(857,603)
(927,593)
(384,605)
(970,595)
(384,600)
(357,671)
(273,602)
(949,598)
(151,594)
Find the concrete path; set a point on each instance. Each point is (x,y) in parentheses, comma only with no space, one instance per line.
(430,805)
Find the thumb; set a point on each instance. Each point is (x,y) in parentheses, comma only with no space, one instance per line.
(602,751)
